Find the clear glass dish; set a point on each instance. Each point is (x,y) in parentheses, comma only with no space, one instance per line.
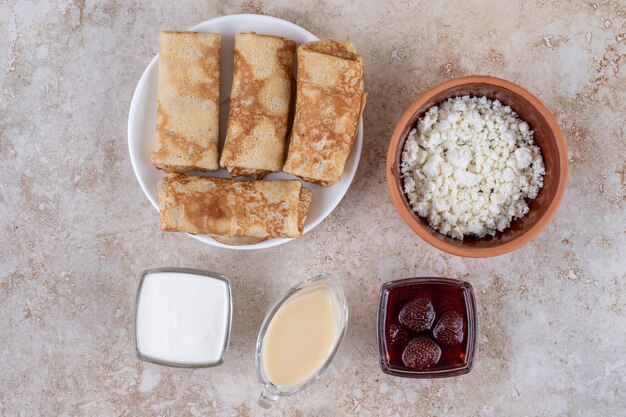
(401,291)
(271,391)
(229,314)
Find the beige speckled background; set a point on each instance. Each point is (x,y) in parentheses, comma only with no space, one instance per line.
(76,230)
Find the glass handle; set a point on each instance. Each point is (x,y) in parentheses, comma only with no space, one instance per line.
(267,398)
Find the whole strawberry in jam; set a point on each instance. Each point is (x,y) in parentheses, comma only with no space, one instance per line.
(421,353)
(398,336)
(449,329)
(418,315)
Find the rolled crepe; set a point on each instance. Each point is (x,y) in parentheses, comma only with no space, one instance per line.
(259,105)
(227,208)
(227,240)
(188,91)
(329,102)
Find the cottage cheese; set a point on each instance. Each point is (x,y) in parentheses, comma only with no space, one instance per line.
(469,165)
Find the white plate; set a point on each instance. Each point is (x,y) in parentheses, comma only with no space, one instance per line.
(142,121)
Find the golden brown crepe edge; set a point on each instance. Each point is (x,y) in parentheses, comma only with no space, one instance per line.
(256,174)
(162,199)
(331,47)
(239,240)
(306,197)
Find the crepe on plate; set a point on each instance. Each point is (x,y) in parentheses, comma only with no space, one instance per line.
(259,105)
(233,211)
(329,102)
(188,94)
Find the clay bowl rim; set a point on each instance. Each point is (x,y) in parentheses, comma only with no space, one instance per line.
(402,205)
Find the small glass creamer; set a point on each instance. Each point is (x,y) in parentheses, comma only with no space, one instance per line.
(300,336)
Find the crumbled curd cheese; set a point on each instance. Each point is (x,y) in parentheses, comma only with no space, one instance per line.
(469,165)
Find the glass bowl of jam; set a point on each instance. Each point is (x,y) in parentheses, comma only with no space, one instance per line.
(426,327)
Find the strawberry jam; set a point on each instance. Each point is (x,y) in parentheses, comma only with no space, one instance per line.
(411,342)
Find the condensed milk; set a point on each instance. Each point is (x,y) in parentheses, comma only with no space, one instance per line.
(300,336)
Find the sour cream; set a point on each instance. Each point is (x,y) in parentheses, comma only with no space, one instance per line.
(183,317)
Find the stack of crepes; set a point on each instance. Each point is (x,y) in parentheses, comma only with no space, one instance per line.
(328,106)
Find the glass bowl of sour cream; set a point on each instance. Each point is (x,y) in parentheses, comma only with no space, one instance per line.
(182,317)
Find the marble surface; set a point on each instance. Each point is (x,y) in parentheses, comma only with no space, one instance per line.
(76,230)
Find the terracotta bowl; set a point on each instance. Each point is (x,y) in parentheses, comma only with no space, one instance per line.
(547,135)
